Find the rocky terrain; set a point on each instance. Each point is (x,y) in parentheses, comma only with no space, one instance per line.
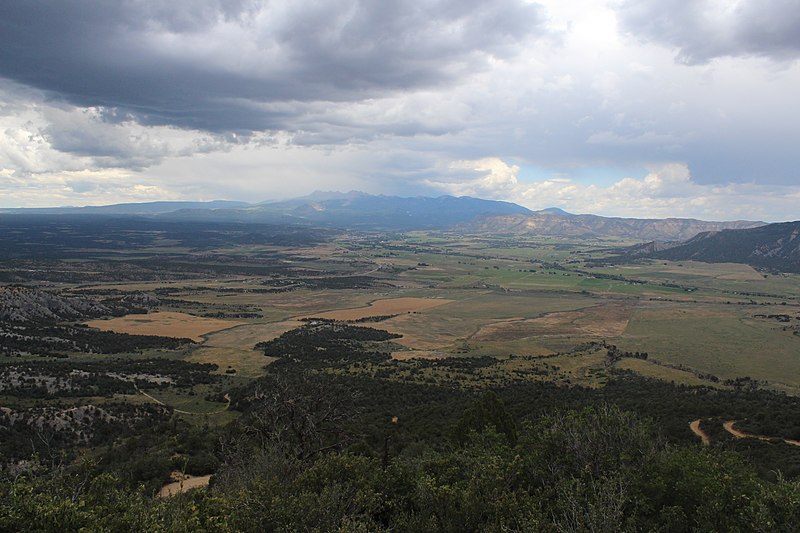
(22,304)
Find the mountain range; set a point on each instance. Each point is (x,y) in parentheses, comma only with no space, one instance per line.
(772,246)
(357,210)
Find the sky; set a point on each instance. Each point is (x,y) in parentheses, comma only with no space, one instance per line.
(643,108)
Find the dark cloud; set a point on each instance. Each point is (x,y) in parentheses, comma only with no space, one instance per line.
(213,65)
(702,30)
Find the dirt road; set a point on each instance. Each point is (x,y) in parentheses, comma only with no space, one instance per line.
(729,427)
(695,427)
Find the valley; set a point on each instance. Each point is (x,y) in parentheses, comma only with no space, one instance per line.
(177,342)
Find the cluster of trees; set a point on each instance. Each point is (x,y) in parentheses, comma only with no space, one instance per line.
(55,340)
(48,379)
(318,448)
(44,440)
(614,354)
(326,343)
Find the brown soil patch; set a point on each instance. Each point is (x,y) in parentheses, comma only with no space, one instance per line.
(390,306)
(183,483)
(167,324)
(599,321)
(697,430)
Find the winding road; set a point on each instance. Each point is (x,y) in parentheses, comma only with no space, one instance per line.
(739,434)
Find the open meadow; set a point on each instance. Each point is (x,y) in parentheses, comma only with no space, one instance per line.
(449,295)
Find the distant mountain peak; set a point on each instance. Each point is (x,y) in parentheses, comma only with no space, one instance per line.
(555,211)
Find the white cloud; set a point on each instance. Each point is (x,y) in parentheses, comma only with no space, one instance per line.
(351,116)
(666,191)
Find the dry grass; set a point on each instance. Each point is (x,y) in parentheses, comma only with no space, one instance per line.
(233,348)
(389,306)
(168,324)
(606,321)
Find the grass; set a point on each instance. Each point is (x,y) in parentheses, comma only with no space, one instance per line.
(389,306)
(722,340)
(501,301)
(656,371)
(233,348)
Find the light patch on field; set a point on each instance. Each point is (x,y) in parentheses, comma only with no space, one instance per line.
(389,306)
(600,321)
(166,324)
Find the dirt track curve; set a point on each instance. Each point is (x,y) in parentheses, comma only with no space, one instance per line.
(697,430)
(729,427)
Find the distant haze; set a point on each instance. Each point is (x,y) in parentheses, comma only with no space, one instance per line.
(635,108)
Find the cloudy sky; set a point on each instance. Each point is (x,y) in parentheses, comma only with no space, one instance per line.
(644,108)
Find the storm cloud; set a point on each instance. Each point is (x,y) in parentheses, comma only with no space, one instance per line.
(702,30)
(228,66)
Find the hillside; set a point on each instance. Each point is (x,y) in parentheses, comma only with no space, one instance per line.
(774,246)
(22,304)
(559,223)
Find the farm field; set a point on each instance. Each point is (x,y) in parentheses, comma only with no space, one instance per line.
(450,295)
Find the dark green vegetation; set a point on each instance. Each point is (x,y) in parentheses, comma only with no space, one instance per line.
(27,239)
(449,382)
(315,449)
(58,340)
(42,379)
